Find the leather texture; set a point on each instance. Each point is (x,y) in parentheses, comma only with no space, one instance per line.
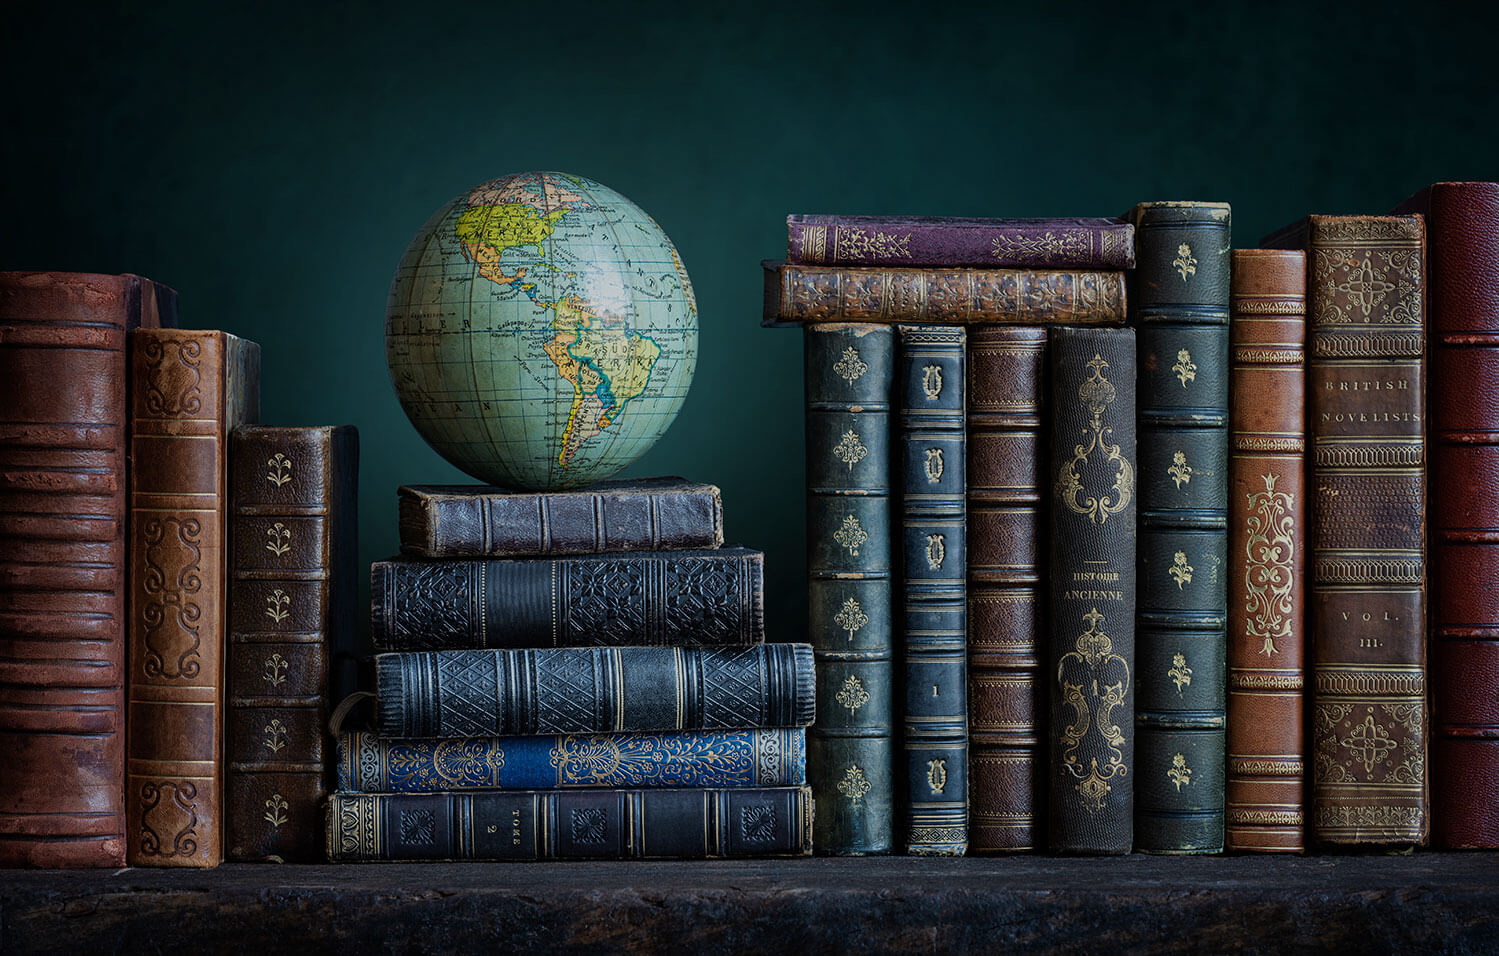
(189,390)
(62,561)
(1267,515)
(939,241)
(1006,542)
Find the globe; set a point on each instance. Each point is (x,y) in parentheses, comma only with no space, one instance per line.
(541,331)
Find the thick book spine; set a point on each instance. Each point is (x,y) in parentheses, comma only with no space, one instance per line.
(293,544)
(571,825)
(1265,796)
(1091,619)
(368,763)
(478,521)
(1006,539)
(937,241)
(1180,296)
(850,618)
(189,391)
(570,690)
(796,294)
(685,598)
(931,387)
(63,439)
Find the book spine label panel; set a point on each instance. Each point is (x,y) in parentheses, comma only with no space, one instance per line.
(1035,244)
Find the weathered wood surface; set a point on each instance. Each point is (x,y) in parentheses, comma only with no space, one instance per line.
(1428,902)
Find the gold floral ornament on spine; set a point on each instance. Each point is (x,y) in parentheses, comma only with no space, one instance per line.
(1095,683)
(852,695)
(851,617)
(1097,394)
(1185,368)
(1269,575)
(854,785)
(1185,262)
(851,535)
(850,367)
(850,450)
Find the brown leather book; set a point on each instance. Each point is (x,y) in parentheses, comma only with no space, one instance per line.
(1366,408)
(1266,784)
(188,391)
(62,561)
(293,539)
(1006,762)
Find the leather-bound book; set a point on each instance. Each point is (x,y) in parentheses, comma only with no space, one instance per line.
(1006,541)
(1266,792)
(947,241)
(189,390)
(849,613)
(63,461)
(294,537)
(1366,419)
(1180,308)
(1091,618)
(930,386)
(1462,232)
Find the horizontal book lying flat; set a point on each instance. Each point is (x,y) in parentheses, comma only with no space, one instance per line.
(945,241)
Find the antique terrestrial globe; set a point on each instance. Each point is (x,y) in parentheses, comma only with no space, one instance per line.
(541,331)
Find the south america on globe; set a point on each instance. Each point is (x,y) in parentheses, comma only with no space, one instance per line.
(541,331)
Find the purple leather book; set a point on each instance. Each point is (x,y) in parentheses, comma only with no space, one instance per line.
(937,241)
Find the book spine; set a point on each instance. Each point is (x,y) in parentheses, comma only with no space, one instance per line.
(1037,244)
(292,493)
(931,386)
(1091,620)
(1265,795)
(189,391)
(368,763)
(850,618)
(62,562)
(1006,538)
(686,598)
(1181,300)
(571,824)
(568,690)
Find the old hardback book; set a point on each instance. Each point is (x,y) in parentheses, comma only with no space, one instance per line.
(1180,302)
(573,690)
(63,375)
(1366,423)
(1006,542)
(1266,790)
(189,390)
(944,241)
(1090,663)
(709,598)
(671,824)
(796,294)
(369,763)
(1462,230)
(478,521)
(293,540)
(849,371)
(930,387)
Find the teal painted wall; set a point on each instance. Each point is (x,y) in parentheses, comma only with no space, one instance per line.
(272,162)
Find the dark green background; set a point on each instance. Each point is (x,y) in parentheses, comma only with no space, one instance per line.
(271,162)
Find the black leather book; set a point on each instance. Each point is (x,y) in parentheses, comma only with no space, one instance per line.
(1091,652)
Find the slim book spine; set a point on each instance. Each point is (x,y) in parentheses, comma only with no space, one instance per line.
(1091,651)
(849,371)
(935,241)
(684,598)
(931,387)
(1006,541)
(1181,297)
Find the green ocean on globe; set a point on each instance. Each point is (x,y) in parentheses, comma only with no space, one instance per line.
(541,331)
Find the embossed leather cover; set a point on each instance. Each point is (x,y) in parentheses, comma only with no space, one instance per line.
(1366,421)
(1462,228)
(1006,541)
(942,241)
(1266,793)
(294,540)
(477,521)
(1091,651)
(849,372)
(573,690)
(189,390)
(1180,308)
(571,824)
(62,561)
(710,598)
(368,763)
(795,294)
